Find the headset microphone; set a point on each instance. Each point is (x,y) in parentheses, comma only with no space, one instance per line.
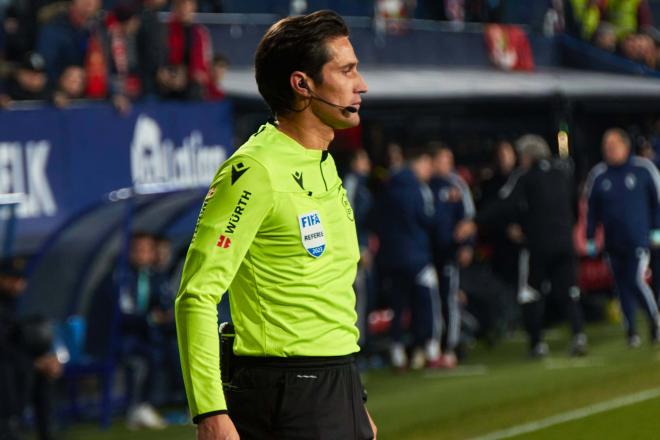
(348,108)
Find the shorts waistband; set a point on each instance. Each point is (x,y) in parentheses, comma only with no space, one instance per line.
(294,362)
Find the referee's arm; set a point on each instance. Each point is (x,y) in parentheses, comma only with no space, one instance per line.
(239,199)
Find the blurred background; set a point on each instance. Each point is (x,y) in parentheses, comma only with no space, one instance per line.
(116,114)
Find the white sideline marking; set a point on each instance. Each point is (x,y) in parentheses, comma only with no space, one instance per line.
(579,413)
(461,371)
(561,364)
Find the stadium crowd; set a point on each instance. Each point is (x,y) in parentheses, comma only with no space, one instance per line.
(62,51)
(70,50)
(617,26)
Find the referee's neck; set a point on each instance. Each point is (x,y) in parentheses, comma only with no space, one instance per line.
(306,129)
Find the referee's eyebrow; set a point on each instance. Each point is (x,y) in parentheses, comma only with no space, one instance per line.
(349,65)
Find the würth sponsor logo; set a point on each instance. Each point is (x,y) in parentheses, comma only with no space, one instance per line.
(224,242)
(238,212)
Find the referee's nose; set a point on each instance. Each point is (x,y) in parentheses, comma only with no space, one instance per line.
(361,84)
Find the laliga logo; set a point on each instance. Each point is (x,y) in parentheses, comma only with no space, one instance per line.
(155,160)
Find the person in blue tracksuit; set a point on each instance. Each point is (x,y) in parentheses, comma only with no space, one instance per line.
(404,214)
(361,200)
(453,204)
(623,196)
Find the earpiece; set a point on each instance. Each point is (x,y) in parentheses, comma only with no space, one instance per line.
(346,109)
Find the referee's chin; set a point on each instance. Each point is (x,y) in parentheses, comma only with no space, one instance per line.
(346,120)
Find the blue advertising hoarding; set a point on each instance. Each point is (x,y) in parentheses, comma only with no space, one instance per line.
(66,160)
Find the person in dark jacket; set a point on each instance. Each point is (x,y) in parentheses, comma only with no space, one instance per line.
(29,82)
(505,258)
(142,312)
(28,367)
(453,204)
(151,45)
(623,194)
(405,260)
(64,40)
(539,198)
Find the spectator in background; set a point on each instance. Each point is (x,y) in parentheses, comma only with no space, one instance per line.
(150,45)
(20,26)
(654,139)
(395,160)
(189,52)
(70,86)
(460,11)
(404,216)
(615,25)
(623,196)
(64,40)
(505,257)
(141,313)
(27,367)
(173,83)
(453,204)
(162,318)
(220,66)
(504,162)
(122,25)
(540,199)
(163,254)
(29,81)
(630,20)
(360,199)
(505,250)
(583,18)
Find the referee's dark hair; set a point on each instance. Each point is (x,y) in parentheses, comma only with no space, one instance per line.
(294,43)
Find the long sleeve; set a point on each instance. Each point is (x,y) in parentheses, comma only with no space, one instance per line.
(466,210)
(593,202)
(500,212)
(48,46)
(654,193)
(239,199)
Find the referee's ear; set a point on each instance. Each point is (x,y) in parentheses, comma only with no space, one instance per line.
(300,84)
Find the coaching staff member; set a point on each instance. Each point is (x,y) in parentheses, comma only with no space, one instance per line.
(623,193)
(539,198)
(277,230)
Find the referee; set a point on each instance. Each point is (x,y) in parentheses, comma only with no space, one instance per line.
(277,231)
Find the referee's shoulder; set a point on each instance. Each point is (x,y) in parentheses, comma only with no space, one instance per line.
(255,149)
(247,165)
(246,159)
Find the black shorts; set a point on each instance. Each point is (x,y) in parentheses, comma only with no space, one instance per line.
(297,399)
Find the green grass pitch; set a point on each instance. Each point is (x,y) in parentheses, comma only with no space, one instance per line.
(498,389)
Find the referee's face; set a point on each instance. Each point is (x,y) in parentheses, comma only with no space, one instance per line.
(342,84)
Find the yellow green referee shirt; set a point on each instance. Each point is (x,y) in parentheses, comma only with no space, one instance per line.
(277,231)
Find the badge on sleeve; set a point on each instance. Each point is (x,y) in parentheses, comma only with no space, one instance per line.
(312,234)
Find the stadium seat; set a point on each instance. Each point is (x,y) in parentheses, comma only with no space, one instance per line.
(82,365)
